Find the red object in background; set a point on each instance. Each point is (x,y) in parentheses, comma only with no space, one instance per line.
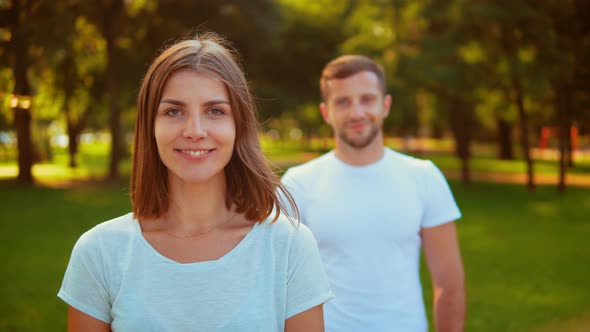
(548,132)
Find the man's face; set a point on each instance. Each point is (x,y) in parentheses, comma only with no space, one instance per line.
(355,108)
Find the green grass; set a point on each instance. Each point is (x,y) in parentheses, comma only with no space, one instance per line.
(525,255)
(38,228)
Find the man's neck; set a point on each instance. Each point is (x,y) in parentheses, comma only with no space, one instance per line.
(359,157)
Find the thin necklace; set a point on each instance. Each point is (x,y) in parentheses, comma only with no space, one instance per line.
(159,229)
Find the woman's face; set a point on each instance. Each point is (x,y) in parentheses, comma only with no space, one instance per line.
(195,129)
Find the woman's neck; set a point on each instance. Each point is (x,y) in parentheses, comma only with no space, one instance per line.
(195,208)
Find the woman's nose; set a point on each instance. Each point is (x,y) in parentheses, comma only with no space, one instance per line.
(194,128)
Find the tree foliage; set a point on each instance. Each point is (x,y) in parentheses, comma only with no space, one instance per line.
(478,70)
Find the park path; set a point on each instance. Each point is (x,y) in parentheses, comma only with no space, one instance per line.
(572,180)
(576,324)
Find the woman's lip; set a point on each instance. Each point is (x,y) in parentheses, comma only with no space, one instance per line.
(195,152)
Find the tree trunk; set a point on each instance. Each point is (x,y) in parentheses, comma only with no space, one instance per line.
(569,148)
(568,119)
(437,131)
(112,11)
(74,131)
(510,46)
(22,116)
(563,133)
(73,142)
(114,116)
(22,123)
(505,151)
(461,127)
(524,134)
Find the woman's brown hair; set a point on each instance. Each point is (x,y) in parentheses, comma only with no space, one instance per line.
(251,183)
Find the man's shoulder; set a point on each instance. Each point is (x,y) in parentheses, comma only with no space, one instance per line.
(311,168)
(408,162)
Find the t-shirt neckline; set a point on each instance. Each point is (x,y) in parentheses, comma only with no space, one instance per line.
(360,168)
(227,256)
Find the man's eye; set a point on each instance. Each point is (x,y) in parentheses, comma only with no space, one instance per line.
(342,102)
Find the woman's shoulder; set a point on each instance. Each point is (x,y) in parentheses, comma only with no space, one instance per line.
(108,231)
(285,229)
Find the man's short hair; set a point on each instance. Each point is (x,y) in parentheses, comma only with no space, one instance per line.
(348,65)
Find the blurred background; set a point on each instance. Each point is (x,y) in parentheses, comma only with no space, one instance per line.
(495,92)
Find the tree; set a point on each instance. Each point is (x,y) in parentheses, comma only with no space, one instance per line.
(289,64)
(81,80)
(21,12)
(514,39)
(133,30)
(569,24)
(438,65)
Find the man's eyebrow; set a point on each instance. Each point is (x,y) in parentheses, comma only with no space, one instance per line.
(372,95)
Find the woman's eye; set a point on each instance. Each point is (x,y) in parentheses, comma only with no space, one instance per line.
(173,112)
(216,111)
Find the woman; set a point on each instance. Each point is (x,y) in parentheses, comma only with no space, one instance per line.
(202,250)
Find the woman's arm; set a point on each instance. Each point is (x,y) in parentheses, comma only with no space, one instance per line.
(81,322)
(311,320)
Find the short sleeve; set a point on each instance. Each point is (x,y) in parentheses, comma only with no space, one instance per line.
(84,285)
(439,204)
(307,284)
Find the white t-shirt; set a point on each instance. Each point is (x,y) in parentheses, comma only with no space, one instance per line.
(116,276)
(366,220)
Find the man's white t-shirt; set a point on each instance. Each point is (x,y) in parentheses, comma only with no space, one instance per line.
(116,276)
(366,220)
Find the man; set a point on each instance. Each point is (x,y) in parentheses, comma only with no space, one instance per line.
(371,208)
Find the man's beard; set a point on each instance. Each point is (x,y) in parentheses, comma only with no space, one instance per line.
(361,142)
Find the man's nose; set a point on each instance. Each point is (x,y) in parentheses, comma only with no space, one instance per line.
(357,110)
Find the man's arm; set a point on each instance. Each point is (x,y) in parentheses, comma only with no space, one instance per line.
(441,250)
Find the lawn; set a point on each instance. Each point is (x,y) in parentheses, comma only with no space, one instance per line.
(525,255)
(38,227)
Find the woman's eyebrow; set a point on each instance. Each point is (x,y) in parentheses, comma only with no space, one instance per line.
(216,102)
(173,102)
(180,103)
